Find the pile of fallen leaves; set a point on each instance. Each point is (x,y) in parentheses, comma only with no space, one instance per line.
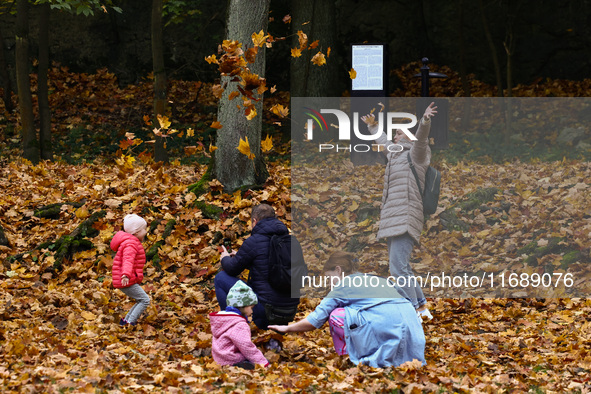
(59,330)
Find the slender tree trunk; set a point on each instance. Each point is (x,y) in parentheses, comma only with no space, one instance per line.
(467,107)
(30,144)
(45,145)
(5,77)
(493,50)
(232,168)
(160,152)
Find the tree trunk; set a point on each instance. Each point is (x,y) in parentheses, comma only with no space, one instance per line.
(160,152)
(307,79)
(45,145)
(232,168)
(493,50)
(25,101)
(5,77)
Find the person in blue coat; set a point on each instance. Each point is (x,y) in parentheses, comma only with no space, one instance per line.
(273,307)
(368,318)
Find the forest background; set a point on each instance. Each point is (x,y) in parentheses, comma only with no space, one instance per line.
(523,205)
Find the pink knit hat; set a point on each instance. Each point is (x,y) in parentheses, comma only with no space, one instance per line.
(133,223)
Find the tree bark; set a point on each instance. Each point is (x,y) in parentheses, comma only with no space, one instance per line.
(232,168)
(160,152)
(307,79)
(45,145)
(29,137)
(5,77)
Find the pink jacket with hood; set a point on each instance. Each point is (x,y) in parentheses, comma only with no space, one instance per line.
(231,342)
(129,260)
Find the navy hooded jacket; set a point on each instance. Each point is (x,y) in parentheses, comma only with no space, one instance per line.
(254,256)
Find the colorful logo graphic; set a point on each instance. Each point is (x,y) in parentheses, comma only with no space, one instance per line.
(316,115)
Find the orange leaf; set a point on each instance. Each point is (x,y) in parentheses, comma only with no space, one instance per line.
(212,148)
(216,125)
(314,44)
(250,112)
(244,148)
(267,144)
(328,52)
(296,52)
(302,39)
(352,73)
(251,54)
(233,95)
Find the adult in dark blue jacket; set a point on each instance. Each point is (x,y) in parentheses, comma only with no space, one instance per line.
(253,255)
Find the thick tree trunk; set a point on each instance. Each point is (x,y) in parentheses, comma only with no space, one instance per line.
(232,168)
(42,88)
(5,77)
(25,101)
(307,79)
(160,152)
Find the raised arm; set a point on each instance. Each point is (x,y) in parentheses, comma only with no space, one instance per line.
(419,149)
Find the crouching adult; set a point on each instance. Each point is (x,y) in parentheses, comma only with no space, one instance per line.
(368,318)
(273,307)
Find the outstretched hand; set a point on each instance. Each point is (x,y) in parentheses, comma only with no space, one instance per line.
(369,119)
(430,111)
(282,329)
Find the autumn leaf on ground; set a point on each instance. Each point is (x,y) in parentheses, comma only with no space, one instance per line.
(259,39)
(190,132)
(267,144)
(244,148)
(190,150)
(352,73)
(164,122)
(147,120)
(212,148)
(216,125)
(296,52)
(280,110)
(319,59)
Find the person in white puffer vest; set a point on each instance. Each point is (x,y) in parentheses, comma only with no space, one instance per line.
(401,216)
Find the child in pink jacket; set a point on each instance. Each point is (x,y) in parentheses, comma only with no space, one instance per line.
(128,265)
(231,343)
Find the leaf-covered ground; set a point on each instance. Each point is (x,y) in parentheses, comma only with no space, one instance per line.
(59,330)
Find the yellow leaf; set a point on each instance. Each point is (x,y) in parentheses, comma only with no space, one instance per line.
(82,212)
(267,144)
(259,38)
(296,52)
(280,110)
(88,315)
(319,59)
(190,132)
(302,39)
(352,73)
(211,59)
(164,122)
(244,148)
(212,148)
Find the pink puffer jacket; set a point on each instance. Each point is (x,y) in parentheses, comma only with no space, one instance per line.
(129,260)
(231,342)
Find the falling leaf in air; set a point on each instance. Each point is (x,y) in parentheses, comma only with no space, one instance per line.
(244,148)
(216,125)
(280,110)
(319,59)
(267,144)
(352,73)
